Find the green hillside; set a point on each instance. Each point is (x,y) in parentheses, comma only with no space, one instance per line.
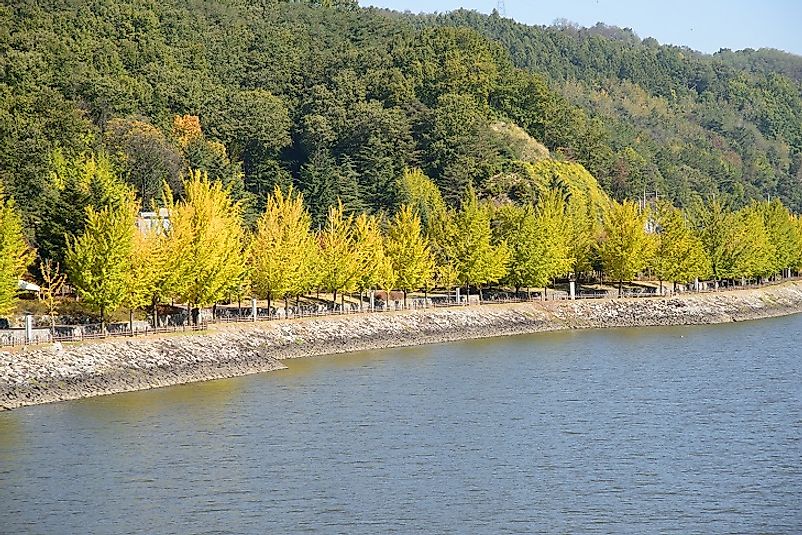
(339,100)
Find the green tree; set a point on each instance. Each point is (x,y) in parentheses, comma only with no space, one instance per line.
(374,267)
(782,232)
(283,249)
(408,251)
(204,244)
(15,255)
(338,261)
(99,259)
(422,195)
(145,157)
(625,248)
(679,256)
(459,145)
(87,180)
(478,259)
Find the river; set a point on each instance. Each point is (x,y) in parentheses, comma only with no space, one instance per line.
(670,430)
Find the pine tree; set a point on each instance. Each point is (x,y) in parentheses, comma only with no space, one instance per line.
(422,195)
(625,247)
(15,255)
(679,255)
(318,183)
(205,242)
(99,260)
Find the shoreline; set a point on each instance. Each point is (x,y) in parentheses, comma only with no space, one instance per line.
(228,350)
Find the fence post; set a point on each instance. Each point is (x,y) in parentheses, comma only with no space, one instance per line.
(253,308)
(28,328)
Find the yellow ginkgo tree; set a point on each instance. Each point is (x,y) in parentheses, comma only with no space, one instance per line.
(283,250)
(205,242)
(408,250)
(338,259)
(374,268)
(99,259)
(15,255)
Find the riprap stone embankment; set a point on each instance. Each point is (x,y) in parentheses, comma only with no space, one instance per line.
(120,365)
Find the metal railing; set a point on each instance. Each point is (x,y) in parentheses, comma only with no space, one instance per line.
(17,338)
(12,338)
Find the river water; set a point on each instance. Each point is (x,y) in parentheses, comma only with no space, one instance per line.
(671,430)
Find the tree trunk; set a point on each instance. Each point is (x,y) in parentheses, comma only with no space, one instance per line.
(334,300)
(620,288)
(286,307)
(342,301)
(155,314)
(269,301)
(131,320)
(405,299)
(298,304)
(661,286)
(425,297)
(480,293)
(102,320)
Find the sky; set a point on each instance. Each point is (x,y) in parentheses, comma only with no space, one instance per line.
(704,25)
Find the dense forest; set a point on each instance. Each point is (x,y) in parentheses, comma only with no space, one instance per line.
(340,103)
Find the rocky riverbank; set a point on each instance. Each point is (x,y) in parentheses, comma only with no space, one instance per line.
(62,373)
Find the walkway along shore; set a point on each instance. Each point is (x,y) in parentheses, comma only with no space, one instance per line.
(45,375)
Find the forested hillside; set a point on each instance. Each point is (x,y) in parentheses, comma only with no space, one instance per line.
(307,146)
(339,100)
